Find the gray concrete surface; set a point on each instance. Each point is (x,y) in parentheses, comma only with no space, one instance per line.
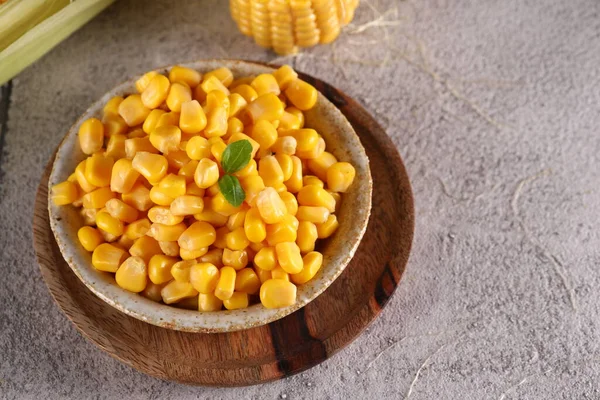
(495,108)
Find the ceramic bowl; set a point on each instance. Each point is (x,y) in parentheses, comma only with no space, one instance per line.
(338,250)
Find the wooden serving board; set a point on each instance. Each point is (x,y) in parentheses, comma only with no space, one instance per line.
(284,347)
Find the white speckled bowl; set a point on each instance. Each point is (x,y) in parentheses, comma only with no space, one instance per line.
(341,140)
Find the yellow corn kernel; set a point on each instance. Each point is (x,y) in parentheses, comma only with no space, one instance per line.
(156,91)
(204,277)
(162,215)
(268,106)
(124,242)
(199,234)
(312,180)
(306,138)
(188,170)
(177,159)
(198,148)
(340,176)
(91,136)
(137,229)
(212,191)
(270,170)
(114,125)
(279,273)
(327,228)
(209,302)
(145,247)
(246,91)
(97,198)
(166,233)
(107,257)
(144,80)
(199,94)
(217,147)
(241,136)
(316,215)
(249,169)
(187,75)
(247,281)
(254,227)
(166,119)
(291,204)
(181,270)
(173,185)
(112,106)
(252,186)
(192,254)
(120,210)
(223,74)
(284,76)
(213,217)
(169,248)
(138,197)
(266,258)
(264,133)
(109,237)
(193,190)
(286,164)
(284,231)
(136,133)
(321,164)
(179,93)
(89,238)
(131,275)
(236,103)
(151,166)
(301,94)
(152,292)
(136,145)
(109,224)
(313,195)
(314,152)
(286,145)
(236,239)
(312,263)
(213,256)
(234,125)
(166,138)
(133,111)
(212,83)
(65,193)
(263,275)
(237,259)
(115,147)
(298,113)
(226,284)
(289,121)
(192,119)
(272,209)
(175,291)
(236,220)
(152,119)
(236,301)
(187,205)
(277,293)
(265,83)
(307,236)
(206,174)
(288,257)
(294,183)
(160,197)
(98,169)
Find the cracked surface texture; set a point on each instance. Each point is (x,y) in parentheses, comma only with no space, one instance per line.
(494,107)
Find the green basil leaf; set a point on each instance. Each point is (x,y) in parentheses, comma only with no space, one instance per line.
(236,156)
(232,190)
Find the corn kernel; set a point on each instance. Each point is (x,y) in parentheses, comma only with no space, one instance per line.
(277,293)
(193,190)
(307,236)
(288,257)
(98,169)
(291,204)
(268,106)
(246,91)
(249,169)
(316,215)
(151,166)
(107,257)
(156,91)
(254,227)
(313,195)
(122,211)
(265,83)
(252,185)
(206,174)
(160,197)
(199,234)
(236,301)
(266,258)
(223,74)
(175,291)
(284,231)
(163,215)
(124,242)
(166,138)
(89,238)
(177,159)
(109,237)
(286,145)
(112,106)
(91,136)
(136,133)
(181,270)
(187,205)
(133,111)
(299,114)
(263,275)
(279,273)
(327,228)
(289,121)
(264,133)
(272,209)
(145,247)
(312,180)
(214,256)
(236,104)
(179,93)
(209,302)
(187,171)
(193,119)
(114,124)
(237,259)
(204,277)
(144,80)
(340,176)
(312,263)
(226,284)
(65,193)
(167,233)
(137,229)
(212,83)
(234,125)
(138,197)
(97,198)
(236,220)
(236,239)
(170,118)
(270,170)
(301,94)
(192,254)
(173,185)
(187,75)
(115,147)
(217,148)
(152,292)
(321,164)
(284,76)
(247,281)
(138,144)
(131,275)
(214,218)
(314,152)
(169,248)
(152,120)
(159,268)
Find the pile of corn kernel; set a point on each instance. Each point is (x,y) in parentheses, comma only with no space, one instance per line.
(153,211)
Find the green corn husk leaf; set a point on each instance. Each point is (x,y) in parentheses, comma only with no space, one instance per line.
(31,28)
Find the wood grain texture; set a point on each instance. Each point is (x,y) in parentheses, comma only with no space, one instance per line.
(284,347)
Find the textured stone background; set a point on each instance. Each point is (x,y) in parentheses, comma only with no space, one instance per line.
(495,108)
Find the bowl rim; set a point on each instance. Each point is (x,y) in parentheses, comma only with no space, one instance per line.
(183,319)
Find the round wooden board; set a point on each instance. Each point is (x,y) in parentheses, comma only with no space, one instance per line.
(284,347)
